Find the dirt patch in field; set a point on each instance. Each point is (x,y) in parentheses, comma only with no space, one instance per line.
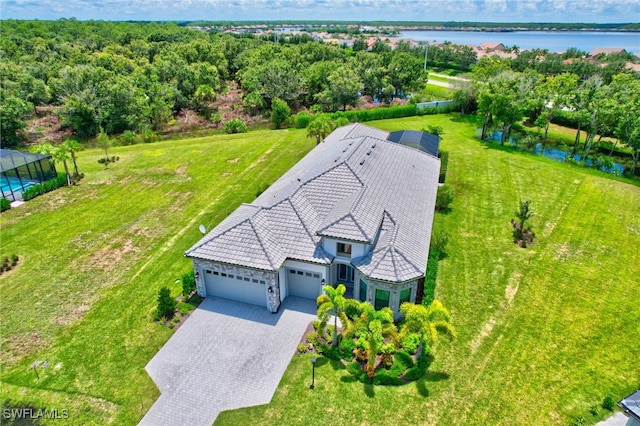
(512,289)
(107,257)
(15,347)
(487,328)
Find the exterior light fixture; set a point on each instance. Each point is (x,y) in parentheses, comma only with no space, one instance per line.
(322,282)
(197,275)
(270,290)
(313,373)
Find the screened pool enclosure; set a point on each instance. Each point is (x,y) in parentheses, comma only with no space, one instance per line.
(21,170)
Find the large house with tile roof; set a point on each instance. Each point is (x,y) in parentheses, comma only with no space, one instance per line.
(357,209)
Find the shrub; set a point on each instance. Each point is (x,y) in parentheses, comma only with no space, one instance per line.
(608,403)
(302,120)
(410,343)
(386,379)
(404,359)
(188,284)
(302,348)
(149,136)
(357,372)
(388,349)
(347,346)
(5,204)
(312,338)
(594,410)
(439,242)
(128,138)
(235,126)
(14,259)
(44,187)
(419,367)
(166,303)
(331,352)
(184,308)
(280,111)
(4,264)
(443,199)
(444,163)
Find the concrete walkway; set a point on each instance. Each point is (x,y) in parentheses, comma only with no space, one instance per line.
(618,419)
(226,355)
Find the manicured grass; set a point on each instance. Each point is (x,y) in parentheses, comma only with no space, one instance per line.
(437,92)
(545,333)
(92,258)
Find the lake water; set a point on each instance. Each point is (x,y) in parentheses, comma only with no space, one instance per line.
(554,41)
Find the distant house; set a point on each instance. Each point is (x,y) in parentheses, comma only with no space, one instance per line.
(489,47)
(606,51)
(631,407)
(357,210)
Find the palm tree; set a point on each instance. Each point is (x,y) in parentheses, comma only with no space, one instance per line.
(375,326)
(332,302)
(428,322)
(57,153)
(72,146)
(319,128)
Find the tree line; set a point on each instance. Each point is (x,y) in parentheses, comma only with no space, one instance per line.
(593,106)
(120,76)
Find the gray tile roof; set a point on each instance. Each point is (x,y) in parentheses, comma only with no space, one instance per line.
(631,404)
(356,186)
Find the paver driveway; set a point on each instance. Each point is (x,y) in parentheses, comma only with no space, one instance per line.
(226,355)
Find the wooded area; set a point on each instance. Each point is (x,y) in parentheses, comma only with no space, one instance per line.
(136,77)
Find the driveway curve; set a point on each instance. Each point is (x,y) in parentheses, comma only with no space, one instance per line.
(226,355)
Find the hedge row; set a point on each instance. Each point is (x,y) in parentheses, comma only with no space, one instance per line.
(5,204)
(44,187)
(302,119)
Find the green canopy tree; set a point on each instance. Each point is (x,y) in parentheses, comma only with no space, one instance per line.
(13,113)
(342,91)
(428,322)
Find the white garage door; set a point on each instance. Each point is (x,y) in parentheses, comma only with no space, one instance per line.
(235,287)
(303,283)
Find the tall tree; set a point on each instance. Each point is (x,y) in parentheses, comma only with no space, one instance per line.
(343,90)
(332,302)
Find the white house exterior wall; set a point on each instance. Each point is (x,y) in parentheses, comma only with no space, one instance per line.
(331,246)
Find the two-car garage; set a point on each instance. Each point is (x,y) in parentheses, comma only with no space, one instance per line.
(235,287)
(243,288)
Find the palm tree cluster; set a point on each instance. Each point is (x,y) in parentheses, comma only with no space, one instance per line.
(63,152)
(372,336)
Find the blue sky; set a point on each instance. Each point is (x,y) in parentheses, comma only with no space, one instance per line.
(597,11)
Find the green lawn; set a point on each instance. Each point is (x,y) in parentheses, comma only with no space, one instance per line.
(94,256)
(544,333)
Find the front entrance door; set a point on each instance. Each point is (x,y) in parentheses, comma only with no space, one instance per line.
(344,275)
